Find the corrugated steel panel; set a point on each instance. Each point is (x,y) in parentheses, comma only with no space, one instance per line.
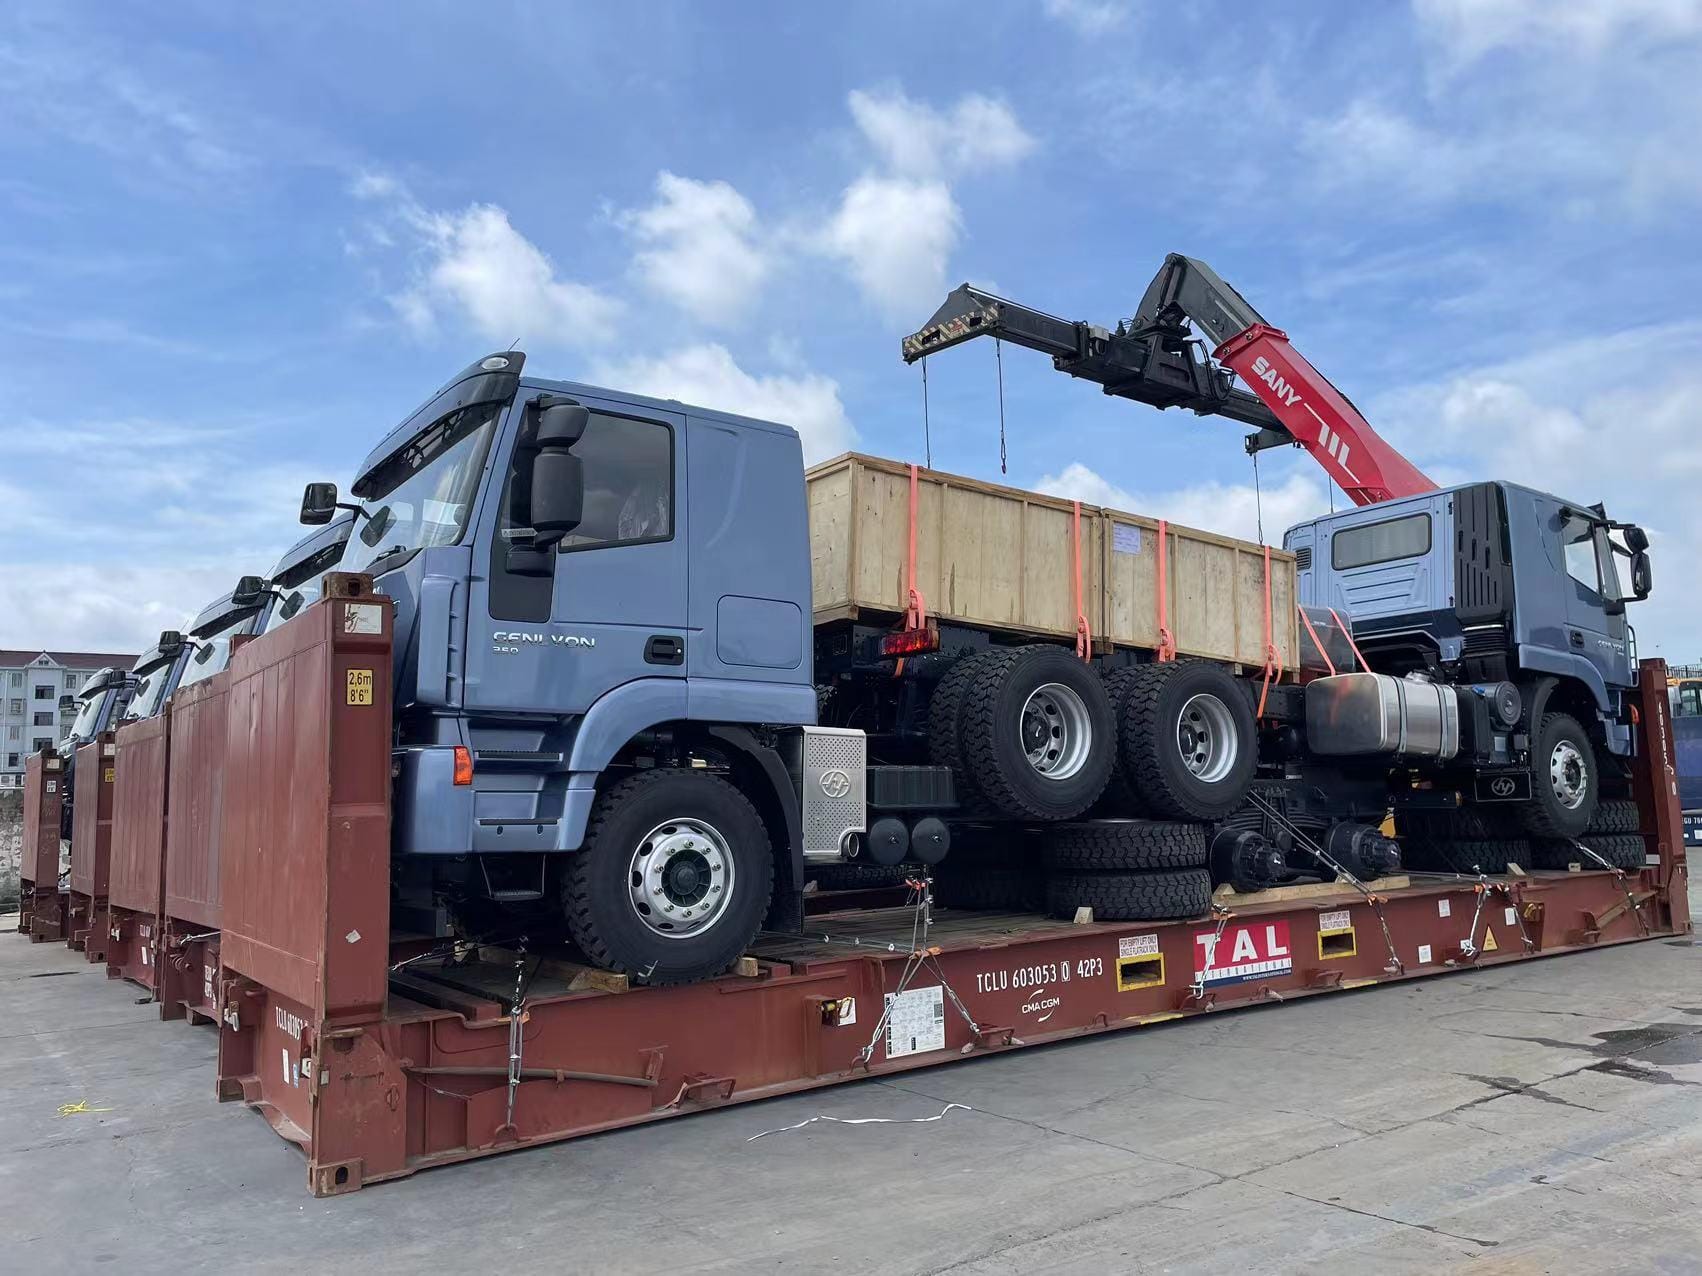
(305,845)
(195,799)
(139,814)
(91,818)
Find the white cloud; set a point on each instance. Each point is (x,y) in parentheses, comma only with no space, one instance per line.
(1090,17)
(918,140)
(895,236)
(698,247)
(708,376)
(489,275)
(1231,509)
(897,224)
(1466,30)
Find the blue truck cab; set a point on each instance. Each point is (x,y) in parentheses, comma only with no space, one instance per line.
(596,594)
(1512,596)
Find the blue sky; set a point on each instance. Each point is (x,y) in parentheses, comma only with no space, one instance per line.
(239,243)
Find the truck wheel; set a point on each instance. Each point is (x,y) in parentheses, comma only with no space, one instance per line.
(673,880)
(1120,800)
(1037,734)
(1119,897)
(1624,851)
(1470,857)
(1115,846)
(1563,779)
(1002,888)
(1188,742)
(945,715)
(1616,815)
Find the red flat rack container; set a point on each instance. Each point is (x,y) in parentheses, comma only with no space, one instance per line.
(189,936)
(91,847)
(41,913)
(136,880)
(447,1066)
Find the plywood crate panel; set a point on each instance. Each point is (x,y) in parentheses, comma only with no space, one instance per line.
(1001,558)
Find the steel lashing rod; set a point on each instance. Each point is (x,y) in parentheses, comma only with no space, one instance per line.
(1197,989)
(1620,875)
(1313,848)
(921,957)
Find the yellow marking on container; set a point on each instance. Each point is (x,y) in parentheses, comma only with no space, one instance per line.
(360,686)
(1146,971)
(1356,983)
(1160,1017)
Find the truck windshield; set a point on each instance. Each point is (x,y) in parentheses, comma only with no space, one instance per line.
(88,716)
(423,495)
(214,652)
(150,691)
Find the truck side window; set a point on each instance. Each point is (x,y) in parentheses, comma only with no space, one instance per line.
(1380,542)
(1577,535)
(629,483)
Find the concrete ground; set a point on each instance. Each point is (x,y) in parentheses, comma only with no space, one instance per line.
(1537,1118)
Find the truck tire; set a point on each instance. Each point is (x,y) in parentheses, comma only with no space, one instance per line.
(1121,846)
(1187,740)
(1616,815)
(673,880)
(1121,800)
(999,888)
(945,715)
(1470,857)
(1623,851)
(1564,779)
(1122,897)
(1466,823)
(1037,734)
(856,877)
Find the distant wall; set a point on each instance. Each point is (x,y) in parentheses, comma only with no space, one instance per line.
(11,844)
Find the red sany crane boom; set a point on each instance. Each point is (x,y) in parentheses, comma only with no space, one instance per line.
(1157,358)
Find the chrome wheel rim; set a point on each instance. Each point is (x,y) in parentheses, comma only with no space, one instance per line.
(681,878)
(1056,732)
(1568,775)
(1205,737)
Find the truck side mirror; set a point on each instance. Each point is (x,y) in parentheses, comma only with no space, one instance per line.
(1636,539)
(249,591)
(318,504)
(1642,576)
(171,642)
(557,480)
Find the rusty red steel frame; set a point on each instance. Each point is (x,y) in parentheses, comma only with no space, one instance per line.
(91,847)
(378,1068)
(189,947)
(41,910)
(136,877)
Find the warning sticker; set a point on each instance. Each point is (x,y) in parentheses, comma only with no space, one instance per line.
(363,618)
(1424,954)
(1137,945)
(360,686)
(915,1021)
(110,775)
(1489,944)
(1242,953)
(1334,921)
(1125,539)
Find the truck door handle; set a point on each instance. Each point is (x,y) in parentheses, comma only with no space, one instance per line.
(1575,638)
(665,649)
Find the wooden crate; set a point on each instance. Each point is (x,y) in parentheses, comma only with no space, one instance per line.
(1001,558)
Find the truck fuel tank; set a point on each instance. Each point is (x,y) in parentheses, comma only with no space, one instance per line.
(1370,713)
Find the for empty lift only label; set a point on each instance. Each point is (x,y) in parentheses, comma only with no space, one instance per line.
(360,686)
(1252,951)
(915,1021)
(363,618)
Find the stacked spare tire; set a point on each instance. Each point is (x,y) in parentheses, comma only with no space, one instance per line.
(1034,735)
(1486,840)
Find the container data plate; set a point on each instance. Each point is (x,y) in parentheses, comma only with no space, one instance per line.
(915,1022)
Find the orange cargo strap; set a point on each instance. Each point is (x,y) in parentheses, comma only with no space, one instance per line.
(917,615)
(1084,635)
(1166,644)
(1316,641)
(1273,667)
(1348,634)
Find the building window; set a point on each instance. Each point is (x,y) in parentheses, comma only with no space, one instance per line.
(44,720)
(17,705)
(37,745)
(44,693)
(14,733)
(70,681)
(17,678)
(12,761)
